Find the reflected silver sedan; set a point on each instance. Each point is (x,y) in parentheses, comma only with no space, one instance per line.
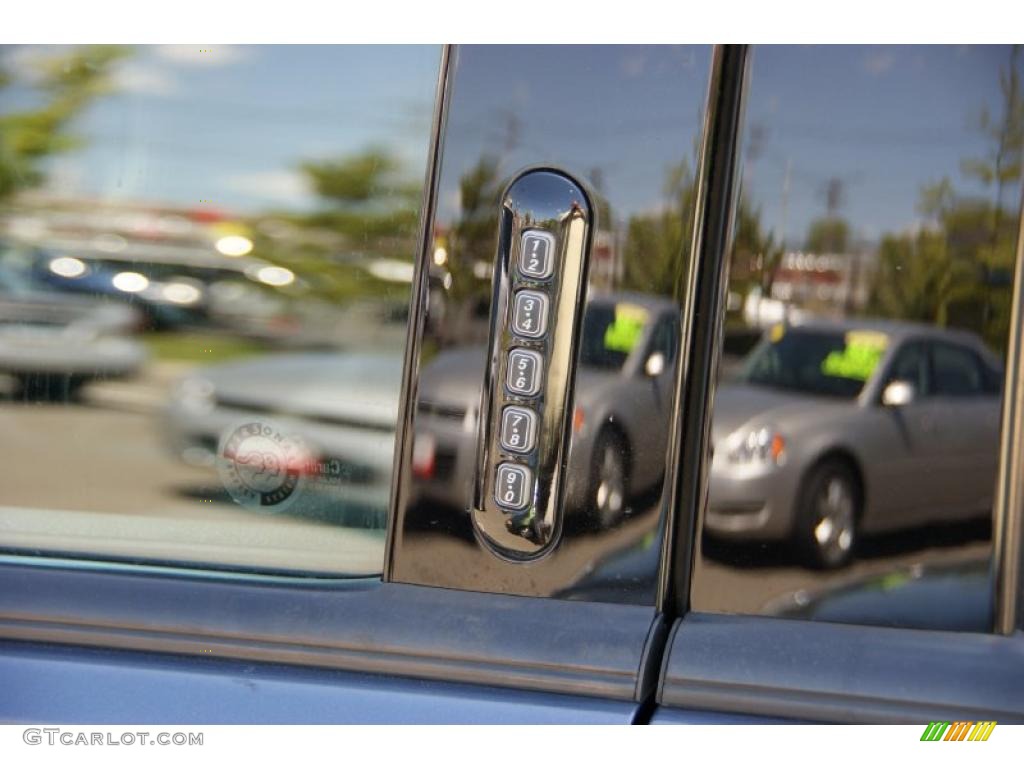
(623,402)
(831,430)
(53,344)
(340,406)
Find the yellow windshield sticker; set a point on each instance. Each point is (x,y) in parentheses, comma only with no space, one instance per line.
(874,339)
(859,358)
(778,331)
(624,331)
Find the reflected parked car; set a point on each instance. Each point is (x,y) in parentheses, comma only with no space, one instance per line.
(940,597)
(623,401)
(835,429)
(342,407)
(53,344)
(157,304)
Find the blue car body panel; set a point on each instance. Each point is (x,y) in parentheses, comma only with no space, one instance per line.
(67,684)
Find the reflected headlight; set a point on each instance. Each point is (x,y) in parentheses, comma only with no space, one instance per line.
(195,395)
(68,266)
(181,293)
(130,282)
(275,276)
(763,445)
(234,245)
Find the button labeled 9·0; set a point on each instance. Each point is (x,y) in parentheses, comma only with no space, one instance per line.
(523,372)
(530,314)
(512,486)
(536,256)
(518,429)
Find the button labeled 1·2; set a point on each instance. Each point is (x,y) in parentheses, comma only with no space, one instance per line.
(512,486)
(535,256)
(530,314)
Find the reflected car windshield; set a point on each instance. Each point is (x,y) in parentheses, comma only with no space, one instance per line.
(610,331)
(829,363)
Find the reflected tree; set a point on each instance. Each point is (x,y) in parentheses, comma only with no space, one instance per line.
(471,239)
(367,198)
(367,211)
(1001,168)
(62,85)
(829,234)
(657,250)
(657,246)
(957,268)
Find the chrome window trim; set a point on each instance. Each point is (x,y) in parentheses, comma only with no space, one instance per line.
(359,625)
(1008,510)
(404,435)
(703,299)
(770,667)
(544,579)
(524,202)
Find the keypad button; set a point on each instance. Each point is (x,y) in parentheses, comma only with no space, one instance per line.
(530,314)
(523,372)
(518,429)
(536,256)
(513,485)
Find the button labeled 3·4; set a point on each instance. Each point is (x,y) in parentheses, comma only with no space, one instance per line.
(530,314)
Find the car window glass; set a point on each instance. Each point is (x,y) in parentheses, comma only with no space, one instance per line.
(625,123)
(820,362)
(666,339)
(880,198)
(957,371)
(911,366)
(609,335)
(205,263)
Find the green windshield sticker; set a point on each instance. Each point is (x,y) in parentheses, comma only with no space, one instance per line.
(624,331)
(859,358)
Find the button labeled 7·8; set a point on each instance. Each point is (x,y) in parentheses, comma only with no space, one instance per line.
(518,429)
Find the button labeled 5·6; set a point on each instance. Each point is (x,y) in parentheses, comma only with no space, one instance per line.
(530,314)
(536,255)
(512,486)
(523,372)
(518,429)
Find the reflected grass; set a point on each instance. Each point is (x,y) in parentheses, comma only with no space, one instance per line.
(200,347)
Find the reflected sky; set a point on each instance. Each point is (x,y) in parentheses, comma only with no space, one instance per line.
(884,120)
(648,97)
(232,123)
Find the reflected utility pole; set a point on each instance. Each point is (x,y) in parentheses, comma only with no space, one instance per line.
(786,180)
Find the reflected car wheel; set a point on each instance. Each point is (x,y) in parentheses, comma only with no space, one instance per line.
(609,482)
(827,518)
(49,388)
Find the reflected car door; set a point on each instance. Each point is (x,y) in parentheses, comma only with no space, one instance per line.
(449,631)
(910,436)
(967,438)
(651,394)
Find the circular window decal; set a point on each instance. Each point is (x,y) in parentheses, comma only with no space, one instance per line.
(262,467)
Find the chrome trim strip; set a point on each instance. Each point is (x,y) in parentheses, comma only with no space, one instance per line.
(818,671)
(404,434)
(361,626)
(703,298)
(174,569)
(1008,509)
(538,197)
